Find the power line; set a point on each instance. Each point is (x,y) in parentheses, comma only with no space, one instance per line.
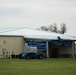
(8,29)
(13,29)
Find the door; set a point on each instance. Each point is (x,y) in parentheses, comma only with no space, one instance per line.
(55,52)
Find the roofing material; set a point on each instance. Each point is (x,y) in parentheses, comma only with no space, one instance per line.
(34,34)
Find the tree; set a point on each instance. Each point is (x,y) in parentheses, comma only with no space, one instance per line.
(43,28)
(53,28)
(63,28)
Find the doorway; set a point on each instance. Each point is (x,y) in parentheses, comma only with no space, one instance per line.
(55,52)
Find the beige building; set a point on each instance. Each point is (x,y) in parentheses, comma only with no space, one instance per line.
(12,42)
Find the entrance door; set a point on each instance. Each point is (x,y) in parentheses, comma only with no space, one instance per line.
(55,52)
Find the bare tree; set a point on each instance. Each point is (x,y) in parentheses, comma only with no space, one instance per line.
(43,28)
(63,28)
(53,28)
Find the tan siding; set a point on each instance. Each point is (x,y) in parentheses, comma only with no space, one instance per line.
(14,44)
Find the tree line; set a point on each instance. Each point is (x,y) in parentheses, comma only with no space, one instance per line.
(53,28)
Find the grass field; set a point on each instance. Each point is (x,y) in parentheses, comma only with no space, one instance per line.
(55,66)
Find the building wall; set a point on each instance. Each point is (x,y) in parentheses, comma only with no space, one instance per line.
(11,45)
(62,50)
(66,50)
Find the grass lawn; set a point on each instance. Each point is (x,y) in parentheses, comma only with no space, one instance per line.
(50,66)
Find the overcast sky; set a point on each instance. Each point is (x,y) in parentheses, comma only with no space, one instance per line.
(36,13)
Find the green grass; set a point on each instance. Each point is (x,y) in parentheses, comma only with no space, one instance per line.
(55,66)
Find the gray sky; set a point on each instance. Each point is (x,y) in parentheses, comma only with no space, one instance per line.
(36,13)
